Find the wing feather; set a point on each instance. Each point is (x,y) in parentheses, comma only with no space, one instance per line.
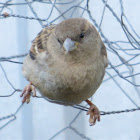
(39,44)
(104,54)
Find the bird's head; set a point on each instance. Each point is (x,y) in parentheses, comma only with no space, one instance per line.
(76,34)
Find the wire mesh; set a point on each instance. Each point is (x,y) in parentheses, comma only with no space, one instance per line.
(126,52)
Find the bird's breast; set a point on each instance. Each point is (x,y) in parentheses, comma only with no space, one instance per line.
(65,82)
(75,83)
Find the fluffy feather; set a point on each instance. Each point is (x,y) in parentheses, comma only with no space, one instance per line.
(70,77)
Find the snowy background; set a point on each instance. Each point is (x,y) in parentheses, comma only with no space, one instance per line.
(41,120)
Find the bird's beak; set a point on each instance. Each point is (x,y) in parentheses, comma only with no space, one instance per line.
(70,45)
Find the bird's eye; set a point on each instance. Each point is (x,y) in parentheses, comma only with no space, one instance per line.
(59,41)
(82,35)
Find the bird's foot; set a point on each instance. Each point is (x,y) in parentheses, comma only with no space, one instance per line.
(26,93)
(94,113)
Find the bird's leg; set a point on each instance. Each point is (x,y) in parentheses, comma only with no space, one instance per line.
(94,113)
(26,93)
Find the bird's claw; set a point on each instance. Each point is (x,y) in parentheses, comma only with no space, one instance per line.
(94,114)
(26,93)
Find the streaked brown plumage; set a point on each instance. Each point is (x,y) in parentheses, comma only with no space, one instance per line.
(67,62)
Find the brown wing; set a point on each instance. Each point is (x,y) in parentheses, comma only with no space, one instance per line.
(104,54)
(40,42)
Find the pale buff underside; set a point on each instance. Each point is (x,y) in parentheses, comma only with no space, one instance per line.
(60,81)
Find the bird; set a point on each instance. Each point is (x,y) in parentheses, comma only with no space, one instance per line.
(66,63)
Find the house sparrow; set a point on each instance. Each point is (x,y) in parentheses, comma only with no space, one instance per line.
(66,63)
